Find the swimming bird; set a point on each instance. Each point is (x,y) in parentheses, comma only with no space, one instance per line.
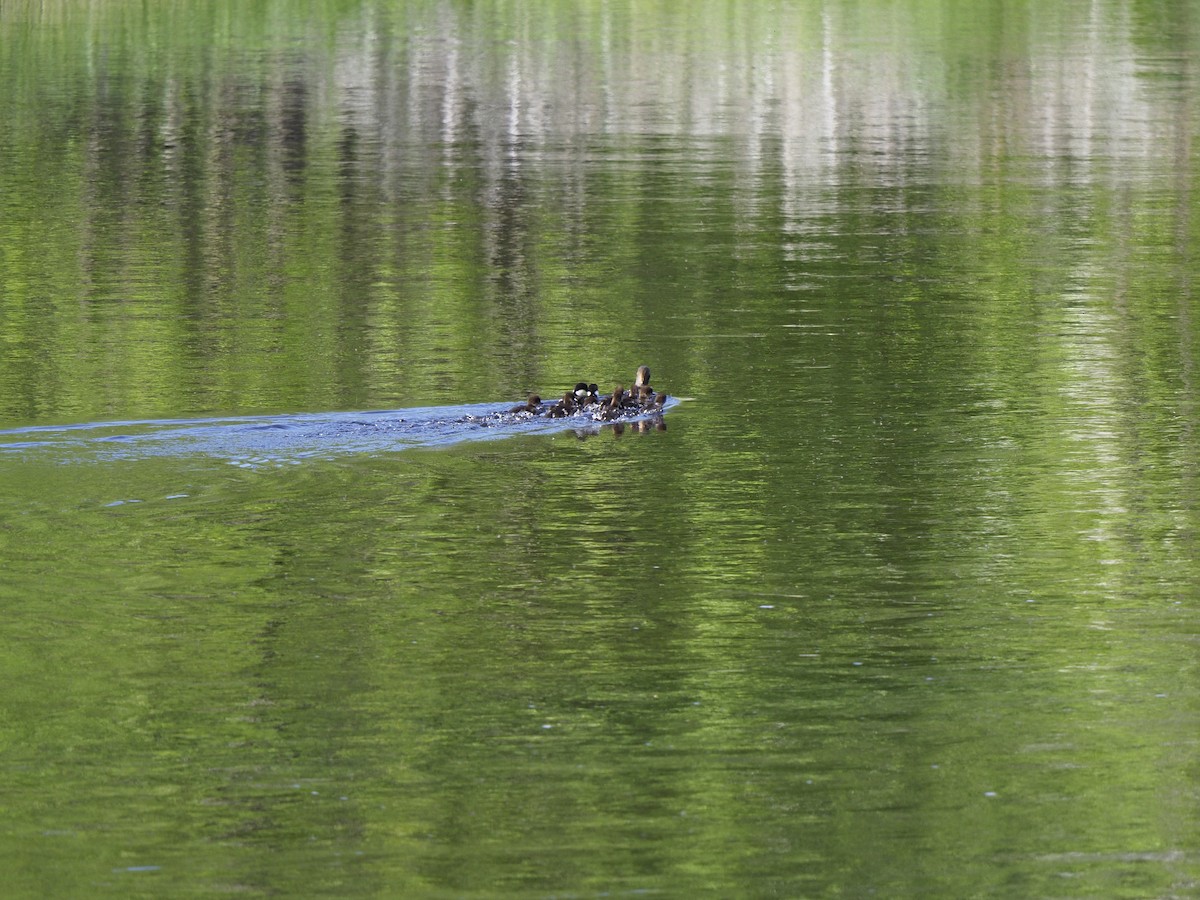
(610,406)
(564,407)
(642,394)
(529,406)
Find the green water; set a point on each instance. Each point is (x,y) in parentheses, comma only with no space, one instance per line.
(905,601)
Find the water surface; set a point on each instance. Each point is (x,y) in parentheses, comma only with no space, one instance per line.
(903,603)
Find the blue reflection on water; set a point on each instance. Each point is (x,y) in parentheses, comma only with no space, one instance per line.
(281,439)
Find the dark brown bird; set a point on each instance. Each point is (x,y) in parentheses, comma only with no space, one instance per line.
(529,406)
(564,407)
(610,406)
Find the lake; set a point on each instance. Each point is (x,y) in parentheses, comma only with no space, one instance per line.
(899,598)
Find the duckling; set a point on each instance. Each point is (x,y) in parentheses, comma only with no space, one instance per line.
(658,402)
(637,398)
(564,407)
(610,406)
(529,406)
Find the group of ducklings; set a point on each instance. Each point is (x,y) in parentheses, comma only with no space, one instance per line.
(586,398)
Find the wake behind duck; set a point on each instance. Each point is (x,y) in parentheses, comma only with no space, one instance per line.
(292,438)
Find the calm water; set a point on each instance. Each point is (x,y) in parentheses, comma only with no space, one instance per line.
(905,600)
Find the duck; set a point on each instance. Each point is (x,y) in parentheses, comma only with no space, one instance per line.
(610,406)
(529,406)
(564,407)
(643,395)
(586,396)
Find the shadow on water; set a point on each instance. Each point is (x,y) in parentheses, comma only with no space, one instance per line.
(288,439)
